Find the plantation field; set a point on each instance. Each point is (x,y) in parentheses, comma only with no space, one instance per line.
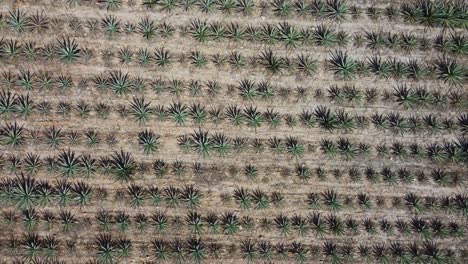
(233,131)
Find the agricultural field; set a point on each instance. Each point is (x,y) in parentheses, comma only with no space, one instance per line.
(233,131)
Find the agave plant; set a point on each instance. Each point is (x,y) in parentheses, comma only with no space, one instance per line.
(271,62)
(123,165)
(119,82)
(178,112)
(450,71)
(378,67)
(341,65)
(149,141)
(196,249)
(242,196)
(336,9)
(159,221)
(18,20)
(12,134)
(230,223)
(260,199)
(234,114)
(220,143)
(330,250)
(197,113)
(68,163)
(289,34)
(293,147)
(162,57)
(83,193)
(201,143)
(253,117)
(67,220)
(330,199)
(160,249)
(199,30)
(306,64)
(45,193)
(24,192)
(106,248)
(26,78)
(7,102)
(63,193)
(191,196)
(326,119)
(283,224)
(299,251)
(68,50)
(141,109)
(111,25)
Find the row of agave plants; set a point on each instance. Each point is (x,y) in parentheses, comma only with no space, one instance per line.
(203,144)
(108,248)
(69,164)
(141,110)
(229,223)
(200,142)
(23,106)
(25,192)
(444,68)
(284,32)
(404,95)
(447,14)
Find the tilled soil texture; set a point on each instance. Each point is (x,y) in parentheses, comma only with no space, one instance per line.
(233,131)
